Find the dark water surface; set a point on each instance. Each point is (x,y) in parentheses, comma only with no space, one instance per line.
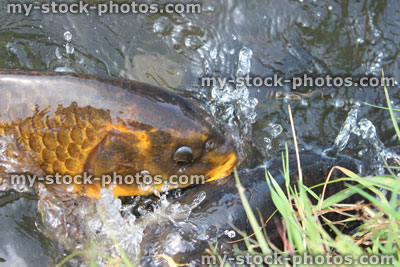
(287,38)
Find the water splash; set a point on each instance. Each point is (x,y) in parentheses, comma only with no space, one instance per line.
(232,104)
(211,54)
(78,222)
(360,139)
(13,161)
(344,134)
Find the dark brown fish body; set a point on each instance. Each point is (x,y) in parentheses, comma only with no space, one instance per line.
(222,208)
(70,124)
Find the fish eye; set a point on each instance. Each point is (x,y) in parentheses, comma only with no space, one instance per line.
(183,155)
(210,145)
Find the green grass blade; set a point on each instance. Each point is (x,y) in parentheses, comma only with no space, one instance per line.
(380,107)
(392,116)
(388,209)
(252,218)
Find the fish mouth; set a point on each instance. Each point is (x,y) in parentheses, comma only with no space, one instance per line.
(224,170)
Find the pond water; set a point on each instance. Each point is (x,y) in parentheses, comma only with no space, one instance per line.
(229,38)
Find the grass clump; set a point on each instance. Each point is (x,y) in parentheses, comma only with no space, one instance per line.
(305,226)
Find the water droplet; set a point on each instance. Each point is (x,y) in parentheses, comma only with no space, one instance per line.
(339,103)
(230,233)
(69,48)
(244,63)
(344,133)
(276,129)
(213,53)
(268,142)
(160,25)
(67,36)
(58,53)
(210,8)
